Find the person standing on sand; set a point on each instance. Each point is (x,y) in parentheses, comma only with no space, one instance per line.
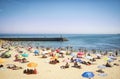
(116,53)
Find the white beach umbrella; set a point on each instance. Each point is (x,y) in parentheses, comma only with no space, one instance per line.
(99,55)
(110,52)
(89,57)
(63,52)
(1,49)
(45,52)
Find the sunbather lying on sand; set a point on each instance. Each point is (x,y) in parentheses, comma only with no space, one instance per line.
(64,67)
(12,66)
(76,65)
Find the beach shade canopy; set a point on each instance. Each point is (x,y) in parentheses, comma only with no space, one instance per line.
(25,55)
(102,74)
(44,52)
(1,49)
(36,51)
(78,60)
(106,58)
(89,57)
(88,74)
(101,66)
(2,60)
(98,55)
(8,53)
(112,57)
(62,52)
(54,57)
(80,53)
(110,52)
(73,54)
(32,64)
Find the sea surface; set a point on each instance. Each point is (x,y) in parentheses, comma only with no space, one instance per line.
(89,41)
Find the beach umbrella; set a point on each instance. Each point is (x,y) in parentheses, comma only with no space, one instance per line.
(101,66)
(110,52)
(62,52)
(77,60)
(32,64)
(111,57)
(106,58)
(88,75)
(102,74)
(36,51)
(80,53)
(8,53)
(1,49)
(57,54)
(98,55)
(2,60)
(25,55)
(73,54)
(57,50)
(55,57)
(44,52)
(89,57)
(110,60)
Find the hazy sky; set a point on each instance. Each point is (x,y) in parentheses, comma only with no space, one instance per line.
(60,16)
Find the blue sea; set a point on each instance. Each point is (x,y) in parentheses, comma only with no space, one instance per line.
(89,41)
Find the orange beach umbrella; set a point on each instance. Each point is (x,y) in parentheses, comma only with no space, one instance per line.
(32,64)
(2,60)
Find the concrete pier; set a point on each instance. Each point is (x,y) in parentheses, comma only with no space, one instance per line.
(35,39)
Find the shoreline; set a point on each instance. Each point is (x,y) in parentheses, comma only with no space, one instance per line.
(49,71)
(29,43)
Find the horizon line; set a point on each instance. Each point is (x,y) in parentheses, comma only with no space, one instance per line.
(57,33)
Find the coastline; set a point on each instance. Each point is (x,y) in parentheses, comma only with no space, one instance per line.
(50,71)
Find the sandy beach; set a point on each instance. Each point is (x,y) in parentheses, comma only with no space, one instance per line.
(59,39)
(53,71)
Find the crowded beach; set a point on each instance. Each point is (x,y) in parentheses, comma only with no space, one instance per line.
(30,62)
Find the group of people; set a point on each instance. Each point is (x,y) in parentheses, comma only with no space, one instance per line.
(30,71)
(18,58)
(13,67)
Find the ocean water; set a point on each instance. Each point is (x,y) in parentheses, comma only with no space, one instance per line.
(89,41)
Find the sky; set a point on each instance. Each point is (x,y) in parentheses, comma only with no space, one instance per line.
(60,16)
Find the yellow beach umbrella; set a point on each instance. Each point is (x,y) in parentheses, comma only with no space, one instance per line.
(2,60)
(106,58)
(32,64)
(55,57)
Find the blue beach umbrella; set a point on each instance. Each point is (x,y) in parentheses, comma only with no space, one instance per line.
(77,60)
(88,75)
(36,51)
